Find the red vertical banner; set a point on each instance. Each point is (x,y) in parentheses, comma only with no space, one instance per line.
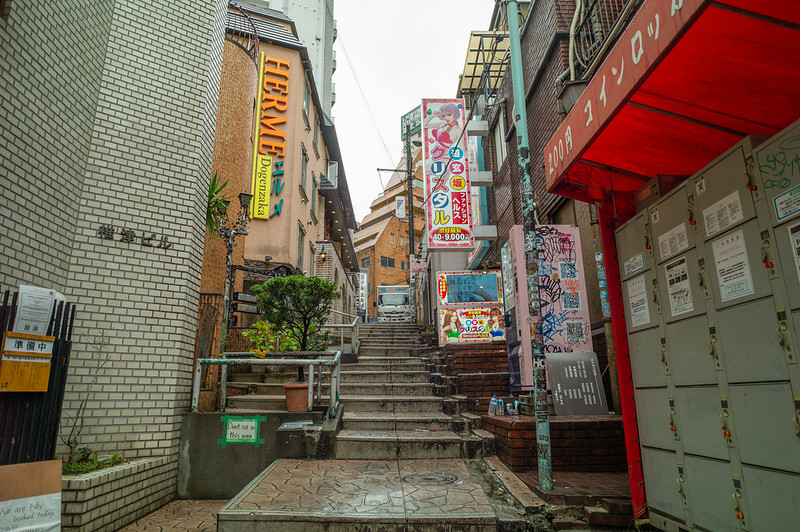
(447,204)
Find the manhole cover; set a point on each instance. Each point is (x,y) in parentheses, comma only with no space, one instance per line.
(433,478)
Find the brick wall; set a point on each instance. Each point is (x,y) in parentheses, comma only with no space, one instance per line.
(331,269)
(477,371)
(579,443)
(108,114)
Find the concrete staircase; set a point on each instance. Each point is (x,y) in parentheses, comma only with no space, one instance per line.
(391,410)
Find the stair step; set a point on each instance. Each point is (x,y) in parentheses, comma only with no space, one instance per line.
(355,376)
(617,506)
(396,421)
(372,389)
(357,403)
(597,516)
(388,445)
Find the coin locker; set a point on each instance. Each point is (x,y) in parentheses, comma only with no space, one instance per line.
(710,493)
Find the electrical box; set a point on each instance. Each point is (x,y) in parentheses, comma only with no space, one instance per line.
(655,189)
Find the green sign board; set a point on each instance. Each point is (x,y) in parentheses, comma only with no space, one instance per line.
(412,119)
(242,430)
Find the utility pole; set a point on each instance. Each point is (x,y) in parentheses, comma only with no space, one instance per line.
(531,256)
(410,175)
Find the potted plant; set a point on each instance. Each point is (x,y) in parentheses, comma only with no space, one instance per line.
(296,307)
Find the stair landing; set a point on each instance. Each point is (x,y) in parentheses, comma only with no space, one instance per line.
(347,495)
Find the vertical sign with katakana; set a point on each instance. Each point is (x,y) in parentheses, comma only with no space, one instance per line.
(447,191)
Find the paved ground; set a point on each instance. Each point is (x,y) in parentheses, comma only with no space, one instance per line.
(180,516)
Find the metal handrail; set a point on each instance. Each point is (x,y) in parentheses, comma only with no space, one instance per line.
(595,27)
(320,362)
(240,25)
(342,327)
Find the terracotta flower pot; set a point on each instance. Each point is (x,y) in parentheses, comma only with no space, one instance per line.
(296,396)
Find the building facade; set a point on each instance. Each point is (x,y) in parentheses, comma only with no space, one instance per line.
(382,241)
(104,179)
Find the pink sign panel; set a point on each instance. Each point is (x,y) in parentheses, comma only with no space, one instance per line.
(447,191)
(562,290)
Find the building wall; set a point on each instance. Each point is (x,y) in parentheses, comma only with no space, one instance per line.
(233,154)
(277,236)
(331,269)
(51,64)
(118,135)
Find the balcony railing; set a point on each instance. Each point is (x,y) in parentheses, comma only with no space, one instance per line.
(596,26)
(239,29)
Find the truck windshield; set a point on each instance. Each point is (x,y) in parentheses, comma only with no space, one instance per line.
(394,300)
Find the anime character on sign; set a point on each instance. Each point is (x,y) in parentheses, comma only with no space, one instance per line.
(497,329)
(451,325)
(446,119)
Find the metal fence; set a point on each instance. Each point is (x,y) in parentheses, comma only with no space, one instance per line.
(595,28)
(29,421)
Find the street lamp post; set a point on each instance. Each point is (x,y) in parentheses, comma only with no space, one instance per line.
(228,232)
(410,175)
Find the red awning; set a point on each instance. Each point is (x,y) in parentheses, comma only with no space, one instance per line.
(685,81)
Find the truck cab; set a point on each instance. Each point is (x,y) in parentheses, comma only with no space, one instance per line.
(394,304)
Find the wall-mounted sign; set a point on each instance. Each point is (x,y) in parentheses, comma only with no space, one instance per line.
(576,383)
(133,236)
(470,288)
(237,430)
(412,121)
(448,205)
(25,362)
(270,145)
(562,290)
(480,324)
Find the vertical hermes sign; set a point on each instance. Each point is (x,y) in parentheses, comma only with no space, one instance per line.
(270,144)
(447,191)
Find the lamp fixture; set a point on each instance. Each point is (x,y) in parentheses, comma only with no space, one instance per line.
(323,255)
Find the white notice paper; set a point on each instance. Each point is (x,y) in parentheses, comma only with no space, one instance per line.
(673,241)
(678,287)
(637,302)
(34,309)
(787,204)
(733,267)
(725,213)
(794,245)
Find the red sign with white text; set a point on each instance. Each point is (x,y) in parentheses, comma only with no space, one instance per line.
(650,33)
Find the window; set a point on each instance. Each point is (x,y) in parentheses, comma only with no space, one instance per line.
(311,264)
(316,138)
(365,262)
(306,105)
(391,238)
(499,136)
(404,241)
(301,244)
(303,168)
(387,262)
(403,265)
(313,198)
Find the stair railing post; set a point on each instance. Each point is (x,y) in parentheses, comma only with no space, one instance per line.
(223,392)
(310,386)
(196,385)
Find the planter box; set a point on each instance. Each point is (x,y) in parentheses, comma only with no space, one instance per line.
(112,498)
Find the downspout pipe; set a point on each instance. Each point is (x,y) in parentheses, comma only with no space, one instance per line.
(573,28)
(544,451)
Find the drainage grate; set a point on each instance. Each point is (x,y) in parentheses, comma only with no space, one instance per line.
(431,479)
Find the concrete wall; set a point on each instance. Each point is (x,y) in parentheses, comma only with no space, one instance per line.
(211,470)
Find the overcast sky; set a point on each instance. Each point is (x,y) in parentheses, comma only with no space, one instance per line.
(400,52)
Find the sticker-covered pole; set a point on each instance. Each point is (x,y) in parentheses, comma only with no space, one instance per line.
(531,256)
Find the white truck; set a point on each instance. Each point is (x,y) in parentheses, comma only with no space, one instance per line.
(394,304)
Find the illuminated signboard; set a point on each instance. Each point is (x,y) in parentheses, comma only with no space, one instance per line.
(470,307)
(470,288)
(270,144)
(448,206)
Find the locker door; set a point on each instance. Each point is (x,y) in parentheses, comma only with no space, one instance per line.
(669,225)
(691,359)
(634,246)
(748,342)
(662,482)
(764,417)
(776,163)
(722,192)
(787,240)
(647,367)
(709,488)
(656,417)
(682,294)
(737,273)
(701,433)
(773,499)
(642,301)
